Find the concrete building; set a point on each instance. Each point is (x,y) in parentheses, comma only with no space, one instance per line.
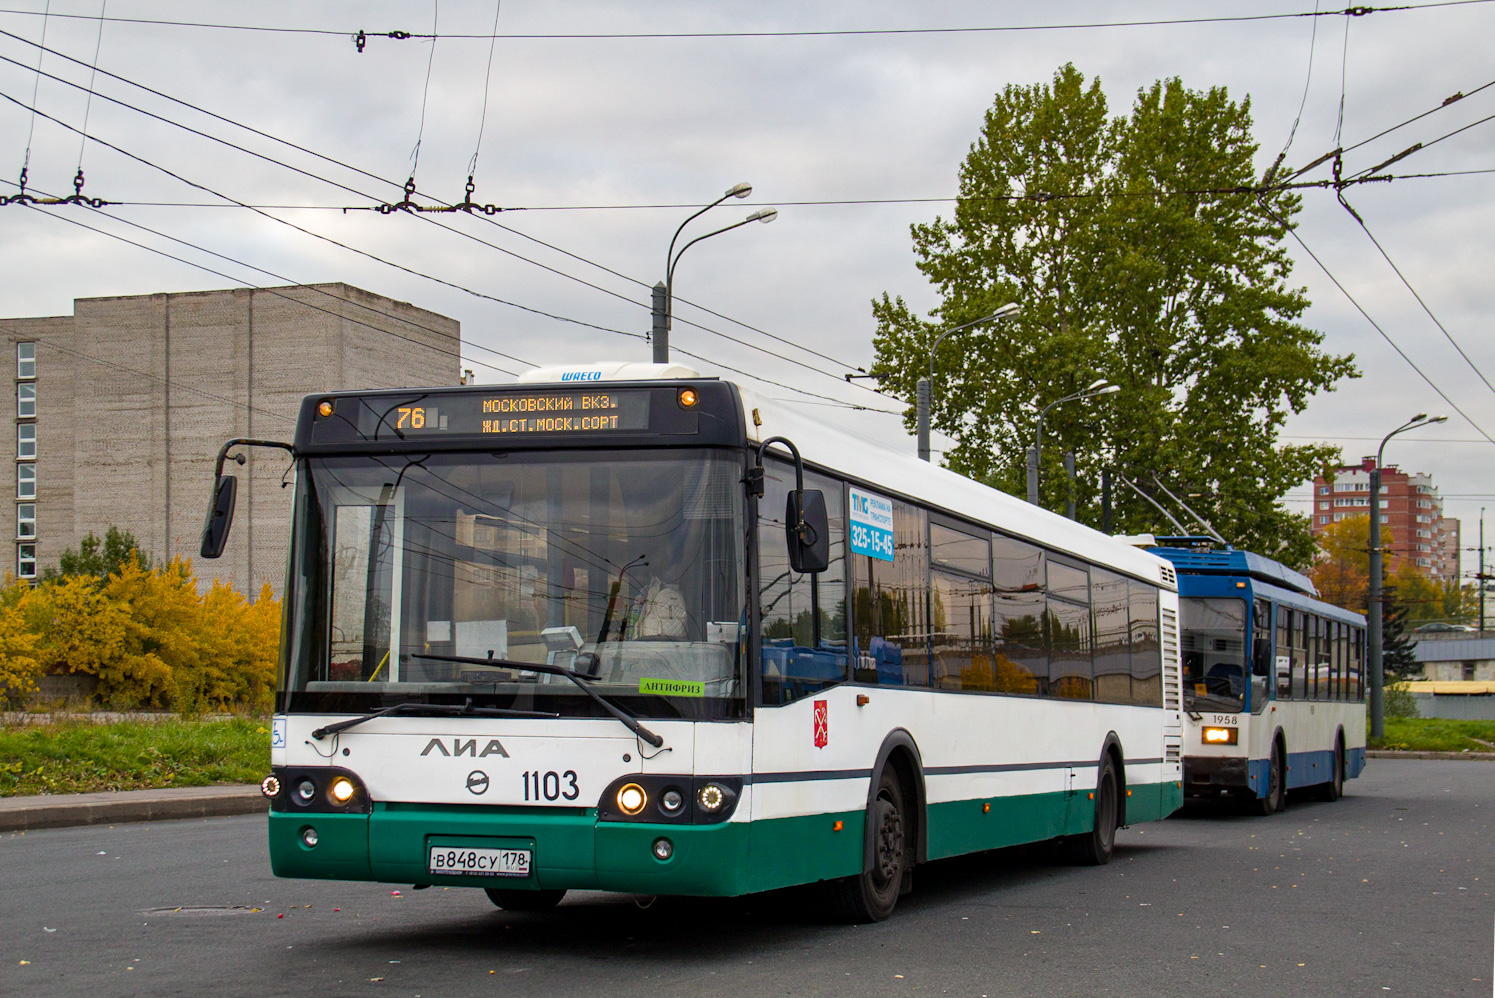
(121,408)
(1410,508)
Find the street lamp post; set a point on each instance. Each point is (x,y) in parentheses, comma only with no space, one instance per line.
(664,292)
(923,389)
(1375,665)
(1035,453)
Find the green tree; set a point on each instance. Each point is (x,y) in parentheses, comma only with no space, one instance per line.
(1398,658)
(1123,272)
(99,558)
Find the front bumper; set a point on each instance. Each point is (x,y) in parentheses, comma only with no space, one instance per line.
(571,848)
(1208,775)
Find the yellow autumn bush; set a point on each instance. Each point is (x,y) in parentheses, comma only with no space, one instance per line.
(148,636)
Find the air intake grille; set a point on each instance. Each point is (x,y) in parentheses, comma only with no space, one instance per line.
(1170,578)
(1172,690)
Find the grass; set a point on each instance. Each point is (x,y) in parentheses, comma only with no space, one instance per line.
(69,757)
(1433,734)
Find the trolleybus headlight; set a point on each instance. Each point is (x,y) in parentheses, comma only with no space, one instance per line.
(631,798)
(309,836)
(305,791)
(270,786)
(663,849)
(1220,736)
(712,797)
(671,801)
(342,790)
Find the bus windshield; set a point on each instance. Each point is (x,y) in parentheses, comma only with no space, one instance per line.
(1214,647)
(627,569)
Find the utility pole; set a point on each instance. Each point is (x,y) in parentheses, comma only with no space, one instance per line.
(1481,569)
(661,332)
(1069,470)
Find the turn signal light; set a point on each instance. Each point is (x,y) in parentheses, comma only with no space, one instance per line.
(342,790)
(270,786)
(688,398)
(324,409)
(631,798)
(1220,736)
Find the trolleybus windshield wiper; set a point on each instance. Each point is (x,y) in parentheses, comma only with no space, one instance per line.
(415,707)
(555,670)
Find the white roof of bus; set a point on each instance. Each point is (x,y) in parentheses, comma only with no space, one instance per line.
(904,474)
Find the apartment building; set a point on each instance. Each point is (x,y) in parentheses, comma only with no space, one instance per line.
(120,409)
(1410,508)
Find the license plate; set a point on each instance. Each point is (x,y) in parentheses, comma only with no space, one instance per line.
(472,862)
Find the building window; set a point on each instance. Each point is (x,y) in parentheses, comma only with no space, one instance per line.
(25,481)
(25,440)
(25,361)
(26,400)
(26,520)
(1323,490)
(26,561)
(1323,519)
(1424,563)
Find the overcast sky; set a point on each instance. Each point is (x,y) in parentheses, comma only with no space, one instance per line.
(630,132)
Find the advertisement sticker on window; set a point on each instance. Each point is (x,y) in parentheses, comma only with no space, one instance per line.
(871,525)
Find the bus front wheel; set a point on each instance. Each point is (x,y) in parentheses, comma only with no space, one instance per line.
(872,895)
(1275,798)
(524,900)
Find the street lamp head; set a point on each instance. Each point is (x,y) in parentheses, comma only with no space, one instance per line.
(1438,419)
(741,190)
(764,215)
(1109,390)
(1097,383)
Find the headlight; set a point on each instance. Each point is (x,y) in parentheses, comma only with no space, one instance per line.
(342,790)
(1220,736)
(309,836)
(711,797)
(631,798)
(663,849)
(671,801)
(305,791)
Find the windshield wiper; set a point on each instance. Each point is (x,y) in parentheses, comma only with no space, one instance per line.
(437,709)
(554,670)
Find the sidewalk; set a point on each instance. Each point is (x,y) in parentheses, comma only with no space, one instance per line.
(1392,754)
(62,810)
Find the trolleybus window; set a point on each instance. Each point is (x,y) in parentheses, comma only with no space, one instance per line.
(890,613)
(1069,631)
(1021,658)
(1147,649)
(1113,647)
(628,570)
(803,616)
(1214,646)
(1261,653)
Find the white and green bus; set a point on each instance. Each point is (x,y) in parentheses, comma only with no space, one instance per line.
(625,628)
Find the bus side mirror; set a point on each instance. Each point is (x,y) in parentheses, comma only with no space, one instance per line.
(808,531)
(220,516)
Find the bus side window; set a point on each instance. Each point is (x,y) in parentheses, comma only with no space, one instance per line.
(1261,651)
(803,638)
(1284,653)
(1068,617)
(1113,644)
(1020,654)
(960,610)
(1147,650)
(1300,656)
(890,606)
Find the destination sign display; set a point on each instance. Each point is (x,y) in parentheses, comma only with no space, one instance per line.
(520,414)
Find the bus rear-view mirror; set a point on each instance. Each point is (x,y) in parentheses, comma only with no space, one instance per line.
(220,516)
(809,533)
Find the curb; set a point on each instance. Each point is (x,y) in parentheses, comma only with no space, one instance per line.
(19,814)
(1466,756)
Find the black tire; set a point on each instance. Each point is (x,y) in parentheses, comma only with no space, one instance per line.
(524,900)
(1094,848)
(1276,795)
(871,895)
(1334,789)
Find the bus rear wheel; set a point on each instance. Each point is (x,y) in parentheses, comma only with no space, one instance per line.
(1094,848)
(1334,789)
(872,895)
(524,900)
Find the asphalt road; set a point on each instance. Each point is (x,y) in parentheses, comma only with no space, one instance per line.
(1388,891)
